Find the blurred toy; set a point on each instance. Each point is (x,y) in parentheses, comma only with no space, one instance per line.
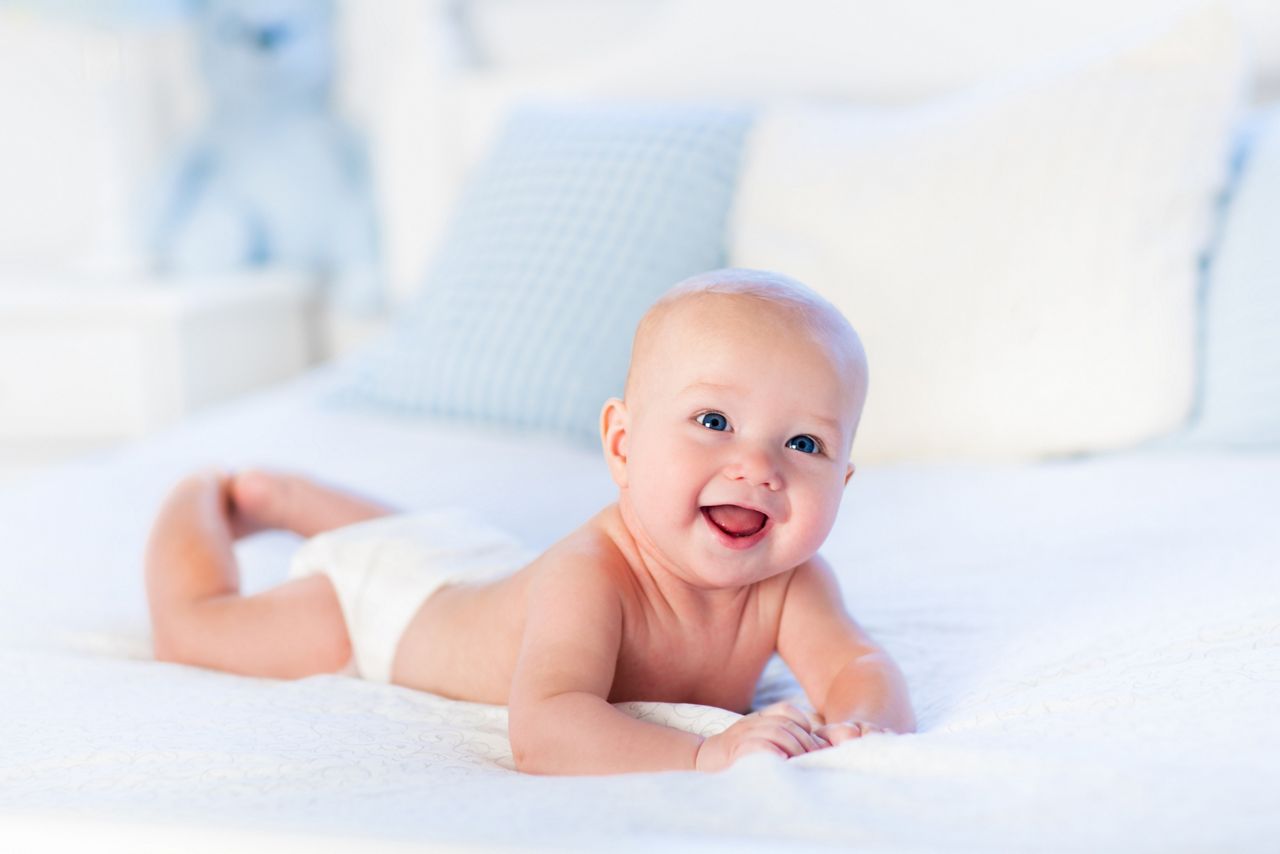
(274,178)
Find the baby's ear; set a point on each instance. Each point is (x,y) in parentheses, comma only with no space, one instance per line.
(848,474)
(613,435)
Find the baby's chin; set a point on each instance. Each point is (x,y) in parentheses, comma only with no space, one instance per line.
(721,567)
(711,577)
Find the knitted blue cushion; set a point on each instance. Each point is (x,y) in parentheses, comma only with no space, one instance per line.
(580,217)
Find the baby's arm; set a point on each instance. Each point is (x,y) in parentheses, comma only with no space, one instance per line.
(849,679)
(561,721)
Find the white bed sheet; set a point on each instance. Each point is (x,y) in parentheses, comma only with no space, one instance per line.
(1093,648)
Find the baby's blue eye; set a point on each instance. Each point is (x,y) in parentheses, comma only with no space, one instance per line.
(804,444)
(713,421)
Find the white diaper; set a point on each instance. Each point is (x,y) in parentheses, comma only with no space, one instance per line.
(385,568)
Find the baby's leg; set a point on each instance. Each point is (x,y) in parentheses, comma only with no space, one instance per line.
(193,584)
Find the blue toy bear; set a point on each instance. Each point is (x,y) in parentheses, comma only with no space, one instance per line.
(274,178)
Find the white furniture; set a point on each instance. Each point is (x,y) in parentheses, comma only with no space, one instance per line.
(82,365)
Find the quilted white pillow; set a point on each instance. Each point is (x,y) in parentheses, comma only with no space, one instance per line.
(1021,262)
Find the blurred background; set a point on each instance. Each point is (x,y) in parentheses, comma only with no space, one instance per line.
(199,199)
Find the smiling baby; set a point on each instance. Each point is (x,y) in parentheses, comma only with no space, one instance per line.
(730,450)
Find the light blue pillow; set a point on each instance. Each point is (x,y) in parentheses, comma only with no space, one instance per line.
(579,218)
(1239,405)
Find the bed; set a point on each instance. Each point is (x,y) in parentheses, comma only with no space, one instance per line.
(1076,565)
(1093,648)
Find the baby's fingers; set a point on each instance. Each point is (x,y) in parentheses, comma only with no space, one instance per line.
(791,737)
(840,733)
(786,710)
(808,740)
(758,745)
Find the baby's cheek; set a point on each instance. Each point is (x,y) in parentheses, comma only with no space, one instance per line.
(816,518)
(663,492)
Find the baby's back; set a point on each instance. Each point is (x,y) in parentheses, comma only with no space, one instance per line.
(464,641)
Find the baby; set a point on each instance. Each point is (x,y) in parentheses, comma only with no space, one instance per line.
(730,450)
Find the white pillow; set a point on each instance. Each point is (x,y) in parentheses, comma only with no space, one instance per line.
(1020,261)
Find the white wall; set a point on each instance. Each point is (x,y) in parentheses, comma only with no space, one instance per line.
(86,114)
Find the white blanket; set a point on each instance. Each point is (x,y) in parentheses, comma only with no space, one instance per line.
(1093,648)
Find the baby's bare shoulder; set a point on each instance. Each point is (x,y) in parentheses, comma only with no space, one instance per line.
(586,556)
(573,615)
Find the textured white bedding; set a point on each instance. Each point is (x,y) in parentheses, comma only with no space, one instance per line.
(1093,648)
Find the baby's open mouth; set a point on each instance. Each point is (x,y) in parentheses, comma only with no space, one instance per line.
(734,520)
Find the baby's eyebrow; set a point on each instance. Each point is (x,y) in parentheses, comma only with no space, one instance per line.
(700,385)
(825,421)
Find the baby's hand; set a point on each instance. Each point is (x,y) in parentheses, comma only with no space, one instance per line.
(780,729)
(839,733)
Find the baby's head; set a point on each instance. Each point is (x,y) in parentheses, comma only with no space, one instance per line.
(731,445)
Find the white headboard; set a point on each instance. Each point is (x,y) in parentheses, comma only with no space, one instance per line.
(430,79)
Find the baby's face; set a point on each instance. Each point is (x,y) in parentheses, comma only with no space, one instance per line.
(738,439)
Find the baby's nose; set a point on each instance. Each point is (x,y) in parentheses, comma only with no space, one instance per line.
(756,465)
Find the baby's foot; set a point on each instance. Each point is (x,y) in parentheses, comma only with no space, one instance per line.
(259,501)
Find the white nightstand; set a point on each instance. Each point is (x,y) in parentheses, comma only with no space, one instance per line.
(83,365)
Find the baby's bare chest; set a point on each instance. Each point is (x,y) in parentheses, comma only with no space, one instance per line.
(719,667)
